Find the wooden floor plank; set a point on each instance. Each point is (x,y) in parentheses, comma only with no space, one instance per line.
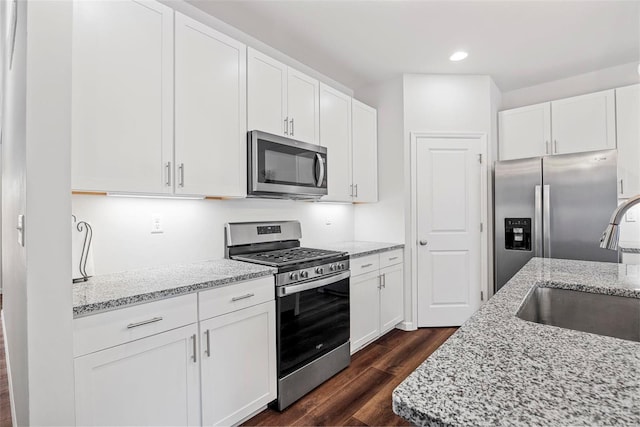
(361,394)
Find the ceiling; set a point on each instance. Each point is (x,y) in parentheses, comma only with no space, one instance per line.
(518,43)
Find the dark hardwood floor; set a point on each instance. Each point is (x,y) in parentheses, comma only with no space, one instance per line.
(5,406)
(361,394)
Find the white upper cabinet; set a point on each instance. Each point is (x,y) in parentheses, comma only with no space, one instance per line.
(335,134)
(281,100)
(628,131)
(267,93)
(365,152)
(122,97)
(525,132)
(210,111)
(570,125)
(584,123)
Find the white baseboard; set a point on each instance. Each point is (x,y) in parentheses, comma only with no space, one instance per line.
(6,358)
(406,326)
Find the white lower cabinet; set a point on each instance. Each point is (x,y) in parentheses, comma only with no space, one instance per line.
(377,284)
(150,381)
(238,364)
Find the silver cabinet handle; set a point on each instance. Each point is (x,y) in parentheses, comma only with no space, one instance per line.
(380,282)
(144,322)
(286,125)
(194,338)
(392,258)
(181,171)
(356,190)
(555,143)
(384,280)
(234,299)
(423,243)
(537,221)
(621,186)
(351,190)
(546,144)
(208,348)
(322,171)
(366,265)
(291,126)
(168,168)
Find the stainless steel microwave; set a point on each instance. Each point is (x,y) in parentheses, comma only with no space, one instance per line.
(284,168)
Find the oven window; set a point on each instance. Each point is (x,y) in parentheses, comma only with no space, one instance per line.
(310,324)
(282,164)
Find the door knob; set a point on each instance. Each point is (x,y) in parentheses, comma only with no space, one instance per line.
(423,243)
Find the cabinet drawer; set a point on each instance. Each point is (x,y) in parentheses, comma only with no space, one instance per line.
(216,302)
(391,258)
(364,264)
(100,331)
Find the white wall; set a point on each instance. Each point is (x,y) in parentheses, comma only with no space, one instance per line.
(193,229)
(607,78)
(36,183)
(630,230)
(384,221)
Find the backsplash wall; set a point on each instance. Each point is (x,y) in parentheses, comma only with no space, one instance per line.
(193,230)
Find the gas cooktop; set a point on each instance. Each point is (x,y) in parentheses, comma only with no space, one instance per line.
(285,257)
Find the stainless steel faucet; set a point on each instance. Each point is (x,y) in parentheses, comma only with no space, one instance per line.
(609,239)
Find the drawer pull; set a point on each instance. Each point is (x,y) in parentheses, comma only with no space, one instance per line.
(144,322)
(234,299)
(366,265)
(392,258)
(208,349)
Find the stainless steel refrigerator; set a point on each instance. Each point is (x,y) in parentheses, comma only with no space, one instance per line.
(554,207)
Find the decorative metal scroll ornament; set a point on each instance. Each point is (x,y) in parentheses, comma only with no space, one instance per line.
(88,235)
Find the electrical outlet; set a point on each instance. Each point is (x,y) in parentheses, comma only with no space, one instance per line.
(328,221)
(630,216)
(156,224)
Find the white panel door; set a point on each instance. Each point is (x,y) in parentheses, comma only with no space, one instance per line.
(303,107)
(210,111)
(584,123)
(525,132)
(364,306)
(391,297)
(149,382)
(266,93)
(335,134)
(122,107)
(364,152)
(448,177)
(628,133)
(238,364)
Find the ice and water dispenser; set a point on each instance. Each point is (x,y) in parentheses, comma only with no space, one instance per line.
(517,234)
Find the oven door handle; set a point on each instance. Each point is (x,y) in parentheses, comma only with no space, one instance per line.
(283,291)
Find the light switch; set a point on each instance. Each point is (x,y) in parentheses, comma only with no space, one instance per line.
(156,224)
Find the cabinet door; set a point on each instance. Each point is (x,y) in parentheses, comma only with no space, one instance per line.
(364,309)
(584,123)
(365,152)
(335,134)
(210,115)
(122,98)
(266,93)
(525,132)
(238,364)
(628,127)
(303,107)
(151,381)
(391,300)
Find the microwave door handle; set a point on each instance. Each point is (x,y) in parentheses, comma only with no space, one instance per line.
(322,171)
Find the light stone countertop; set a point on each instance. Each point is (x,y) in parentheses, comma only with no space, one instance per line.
(357,249)
(118,290)
(498,369)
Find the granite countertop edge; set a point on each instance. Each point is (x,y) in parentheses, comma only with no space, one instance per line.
(389,248)
(110,302)
(360,248)
(530,373)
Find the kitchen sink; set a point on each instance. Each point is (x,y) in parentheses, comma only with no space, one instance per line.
(601,314)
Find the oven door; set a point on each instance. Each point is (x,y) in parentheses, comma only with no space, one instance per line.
(312,320)
(283,167)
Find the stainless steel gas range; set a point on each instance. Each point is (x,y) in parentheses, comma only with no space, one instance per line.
(312,303)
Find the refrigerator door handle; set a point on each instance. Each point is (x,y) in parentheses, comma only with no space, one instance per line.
(537,222)
(546,221)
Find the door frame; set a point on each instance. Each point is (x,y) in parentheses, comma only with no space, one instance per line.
(482,139)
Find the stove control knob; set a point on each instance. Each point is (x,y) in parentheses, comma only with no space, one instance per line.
(304,274)
(293,276)
(320,270)
(333,267)
(341,266)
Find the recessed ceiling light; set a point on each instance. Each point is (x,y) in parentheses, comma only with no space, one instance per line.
(458,56)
